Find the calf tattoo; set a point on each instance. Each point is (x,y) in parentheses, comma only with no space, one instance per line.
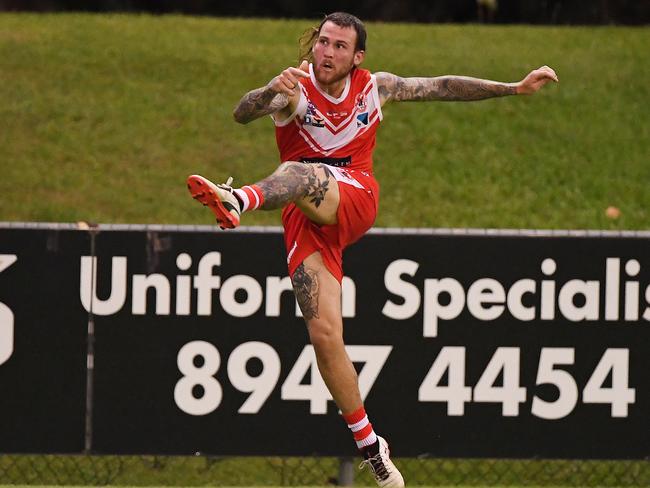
(305,285)
(292,181)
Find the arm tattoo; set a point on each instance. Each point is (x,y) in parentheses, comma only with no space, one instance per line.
(292,181)
(443,88)
(305,285)
(259,102)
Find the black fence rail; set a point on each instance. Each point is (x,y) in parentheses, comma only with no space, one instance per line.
(302,471)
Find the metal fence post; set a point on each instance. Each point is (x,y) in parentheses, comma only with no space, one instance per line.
(90,352)
(346,471)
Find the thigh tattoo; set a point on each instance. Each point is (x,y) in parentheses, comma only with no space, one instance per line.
(294,180)
(305,285)
(317,189)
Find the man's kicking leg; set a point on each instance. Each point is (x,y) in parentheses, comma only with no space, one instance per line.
(310,186)
(319,296)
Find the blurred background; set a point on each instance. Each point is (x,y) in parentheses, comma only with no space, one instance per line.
(632,12)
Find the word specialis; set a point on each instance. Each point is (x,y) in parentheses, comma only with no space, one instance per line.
(525,300)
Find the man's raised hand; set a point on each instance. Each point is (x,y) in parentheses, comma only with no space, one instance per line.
(535,80)
(287,81)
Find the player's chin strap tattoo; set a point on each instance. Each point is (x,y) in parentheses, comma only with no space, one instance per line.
(442,88)
(305,285)
(259,102)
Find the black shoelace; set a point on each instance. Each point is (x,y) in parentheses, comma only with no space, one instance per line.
(378,467)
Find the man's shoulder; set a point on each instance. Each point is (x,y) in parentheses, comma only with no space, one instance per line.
(360,74)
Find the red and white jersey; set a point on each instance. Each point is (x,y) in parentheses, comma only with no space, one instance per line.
(337,131)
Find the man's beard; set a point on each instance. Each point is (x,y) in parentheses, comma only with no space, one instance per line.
(334,76)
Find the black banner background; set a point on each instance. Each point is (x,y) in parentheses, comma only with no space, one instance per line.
(136,368)
(43,383)
(587,432)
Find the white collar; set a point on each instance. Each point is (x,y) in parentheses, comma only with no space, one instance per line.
(346,90)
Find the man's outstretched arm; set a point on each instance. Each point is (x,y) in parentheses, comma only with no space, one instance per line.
(457,88)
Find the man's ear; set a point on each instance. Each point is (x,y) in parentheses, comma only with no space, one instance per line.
(359,56)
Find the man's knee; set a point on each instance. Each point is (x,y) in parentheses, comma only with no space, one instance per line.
(309,172)
(323,334)
(321,170)
(293,167)
(327,341)
(305,168)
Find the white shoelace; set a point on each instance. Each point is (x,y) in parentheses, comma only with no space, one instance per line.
(380,471)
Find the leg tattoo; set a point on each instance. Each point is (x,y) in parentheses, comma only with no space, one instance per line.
(305,285)
(317,188)
(292,181)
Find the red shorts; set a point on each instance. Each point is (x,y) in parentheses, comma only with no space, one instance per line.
(359,199)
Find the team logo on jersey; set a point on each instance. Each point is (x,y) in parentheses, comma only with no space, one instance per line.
(361,102)
(311,117)
(314,121)
(362,119)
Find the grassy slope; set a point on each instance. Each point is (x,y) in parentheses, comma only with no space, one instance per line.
(102,117)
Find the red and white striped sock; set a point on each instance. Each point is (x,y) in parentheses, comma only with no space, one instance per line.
(250,197)
(361,428)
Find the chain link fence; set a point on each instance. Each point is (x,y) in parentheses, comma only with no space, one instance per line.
(285,471)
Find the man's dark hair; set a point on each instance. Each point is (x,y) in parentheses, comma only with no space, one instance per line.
(342,19)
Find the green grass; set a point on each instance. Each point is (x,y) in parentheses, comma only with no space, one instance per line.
(173,471)
(103,116)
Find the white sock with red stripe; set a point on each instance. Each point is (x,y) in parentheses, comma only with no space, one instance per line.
(250,197)
(361,428)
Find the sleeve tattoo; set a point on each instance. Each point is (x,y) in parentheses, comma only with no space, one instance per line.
(443,88)
(259,102)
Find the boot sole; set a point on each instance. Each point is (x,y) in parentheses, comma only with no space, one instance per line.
(203,191)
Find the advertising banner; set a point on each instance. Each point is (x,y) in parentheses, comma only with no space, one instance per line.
(466,345)
(42,341)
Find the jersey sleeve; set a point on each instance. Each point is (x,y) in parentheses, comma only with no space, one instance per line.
(301,109)
(374,93)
